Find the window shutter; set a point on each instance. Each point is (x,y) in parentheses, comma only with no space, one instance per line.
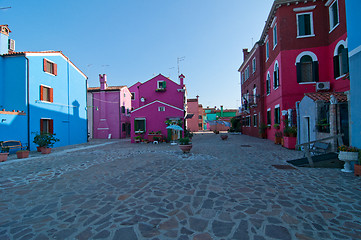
(41,125)
(299,72)
(135,125)
(278,77)
(51,98)
(315,71)
(41,93)
(44,65)
(164,84)
(55,66)
(51,126)
(345,60)
(336,66)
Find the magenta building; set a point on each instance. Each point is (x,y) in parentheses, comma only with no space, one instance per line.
(109,110)
(155,102)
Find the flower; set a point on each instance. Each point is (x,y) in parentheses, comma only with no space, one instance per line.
(344,148)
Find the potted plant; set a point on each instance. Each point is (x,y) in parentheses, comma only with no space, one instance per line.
(289,137)
(185,145)
(278,137)
(22,154)
(45,141)
(262,130)
(276,126)
(4,153)
(137,139)
(347,154)
(357,167)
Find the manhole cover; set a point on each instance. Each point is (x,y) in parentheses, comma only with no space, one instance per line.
(284,167)
(245,146)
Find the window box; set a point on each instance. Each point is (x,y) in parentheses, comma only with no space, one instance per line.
(160,90)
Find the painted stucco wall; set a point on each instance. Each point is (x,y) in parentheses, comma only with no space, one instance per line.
(308,114)
(12,128)
(68,109)
(192,123)
(155,120)
(354,41)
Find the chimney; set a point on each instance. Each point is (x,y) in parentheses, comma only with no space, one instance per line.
(4,39)
(103,81)
(181,80)
(245,53)
(221,110)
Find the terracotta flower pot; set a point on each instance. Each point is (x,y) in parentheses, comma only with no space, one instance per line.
(45,150)
(185,148)
(289,142)
(38,149)
(357,168)
(224,137)
(22,154)
(4,156)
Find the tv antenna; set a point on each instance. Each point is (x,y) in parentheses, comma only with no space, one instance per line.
(179,59)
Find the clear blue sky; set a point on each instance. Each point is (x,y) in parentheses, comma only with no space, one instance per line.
(133,40)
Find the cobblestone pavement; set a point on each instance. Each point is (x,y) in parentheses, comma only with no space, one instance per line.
(221,190)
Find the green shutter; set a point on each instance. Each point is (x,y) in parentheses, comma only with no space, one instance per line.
(135,125)
(344,61)
(164,84)
(299,72)
(336,66)
(315,71)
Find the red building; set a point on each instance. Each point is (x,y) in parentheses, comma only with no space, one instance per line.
(304,49)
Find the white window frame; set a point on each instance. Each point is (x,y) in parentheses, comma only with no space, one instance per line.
(254,95)
(311,23)
(255,125)
(145,125)
(268,77)
(269,110)
(132,96)
(267,50)
(254,65)
(161,109)
(158,87)
(278,75)
(331,15)
(275,40)
(247,72)
(279,114)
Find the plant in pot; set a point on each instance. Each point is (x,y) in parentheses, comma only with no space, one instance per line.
(278,137)
(45,141)
(137,139)
(348,154)
(289,137)
(185,145)
(22,154)
(4,153)
(262,130)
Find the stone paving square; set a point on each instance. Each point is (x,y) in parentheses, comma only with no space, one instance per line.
(111,189)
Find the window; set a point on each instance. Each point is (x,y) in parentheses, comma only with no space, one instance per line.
(247,73)
(277,115)
(50,67)
(200,125)
(333,12)
(276,76)
(255,120)
(123,109)
(46,126)
(267,50)
(123,127)
(275,36)
(242,77)
(323,117)
(307,70)
(340,62)
(268,84)
(161,84)
(200,117)
(46,93)
(304,25)
(248,121)
(254,94)
(161,109)
(254,65)
(139,125)
(269,117)
(132,95)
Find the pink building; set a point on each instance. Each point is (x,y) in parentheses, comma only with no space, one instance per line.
(154,102)
(109,110)
(194,115)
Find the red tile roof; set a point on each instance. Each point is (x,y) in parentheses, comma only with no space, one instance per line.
(325,96)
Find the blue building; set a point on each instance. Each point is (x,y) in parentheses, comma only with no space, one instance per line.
(40,92)
(354,46)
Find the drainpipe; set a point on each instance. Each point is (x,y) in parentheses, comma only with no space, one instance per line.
(28,98)
(298,122)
